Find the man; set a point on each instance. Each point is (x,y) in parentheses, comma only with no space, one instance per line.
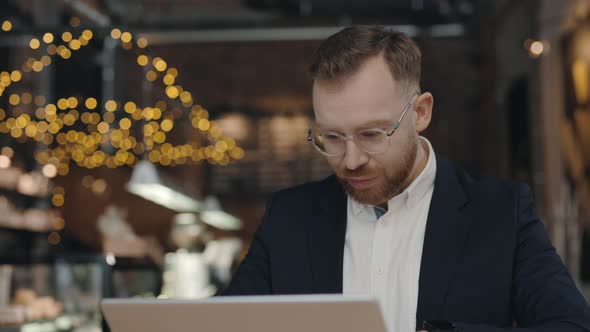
(398,221)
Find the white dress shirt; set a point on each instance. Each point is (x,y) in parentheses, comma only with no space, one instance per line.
(382,255)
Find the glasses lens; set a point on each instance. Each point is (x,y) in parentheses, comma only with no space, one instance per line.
(372,141)
(328,143)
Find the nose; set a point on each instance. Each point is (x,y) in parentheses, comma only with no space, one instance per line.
(354,157)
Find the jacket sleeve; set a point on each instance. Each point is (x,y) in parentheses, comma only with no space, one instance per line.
(545,298)
(253,275)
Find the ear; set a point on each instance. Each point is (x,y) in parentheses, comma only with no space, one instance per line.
(423,108)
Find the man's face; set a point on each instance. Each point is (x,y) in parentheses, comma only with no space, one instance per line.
(368,99)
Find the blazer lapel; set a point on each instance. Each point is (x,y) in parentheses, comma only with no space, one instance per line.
(446,231)
(327,229)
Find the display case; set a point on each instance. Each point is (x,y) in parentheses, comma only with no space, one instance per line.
(63,294)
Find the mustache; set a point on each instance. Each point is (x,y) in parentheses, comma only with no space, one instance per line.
(359,172)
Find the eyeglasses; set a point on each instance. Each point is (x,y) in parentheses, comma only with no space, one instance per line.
(372,141)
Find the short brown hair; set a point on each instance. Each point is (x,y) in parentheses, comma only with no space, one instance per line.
(343,53)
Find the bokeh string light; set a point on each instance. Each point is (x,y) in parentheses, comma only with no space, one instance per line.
(117,133)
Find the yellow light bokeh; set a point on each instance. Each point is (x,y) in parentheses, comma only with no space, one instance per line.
(172,91)
(51,49)
(203,124)
(37,66)
(160,65)
(186,97)
(45,60)
(91,103)
(34,43)
(66,36)
(57,200)
(16,132)
(72,102)
(167,125)
(62,104)
(130,107)
(172,71)
(14,99)
(142,60)
(65,53)
(75,44)
(75,21)
(40,100)
(151,75)
(116,33)
(142,42)
(168,79)
(6,26)
(48,38)
(109,117)
(126,37)
(87,34)
(110,105)
(26,98)
(125,123)
(159,137)
(103,127)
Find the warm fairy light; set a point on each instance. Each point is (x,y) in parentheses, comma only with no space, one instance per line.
(168,79)
(16,76)
(126,37)
(87,34)
(6,26)
(91,103)
(51,49)
(65,53)
(116,33)
(167,125)
(14,99)
(48,38)
(203,124)
(34,43)
(46,60)
(83,148)
(110,105)
(103,127)
(62,103)
(37,66)
(142,42)
(75,21)
(130,107)
(75,44)
(72,102)
(172,92)
(125,123)
(66,36)
(142,60)
(151,75)
(26,98)
(172,71)
(58,223)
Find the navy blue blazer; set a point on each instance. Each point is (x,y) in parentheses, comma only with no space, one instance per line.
(487,262)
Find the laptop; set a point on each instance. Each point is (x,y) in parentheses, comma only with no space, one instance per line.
(284,313)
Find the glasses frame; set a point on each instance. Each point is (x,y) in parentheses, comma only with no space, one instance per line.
(353,137)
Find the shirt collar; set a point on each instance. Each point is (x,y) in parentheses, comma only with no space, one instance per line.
(412,194)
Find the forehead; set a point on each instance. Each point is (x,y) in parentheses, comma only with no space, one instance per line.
(368,96)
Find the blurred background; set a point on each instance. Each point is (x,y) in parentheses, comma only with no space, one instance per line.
(140,139)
